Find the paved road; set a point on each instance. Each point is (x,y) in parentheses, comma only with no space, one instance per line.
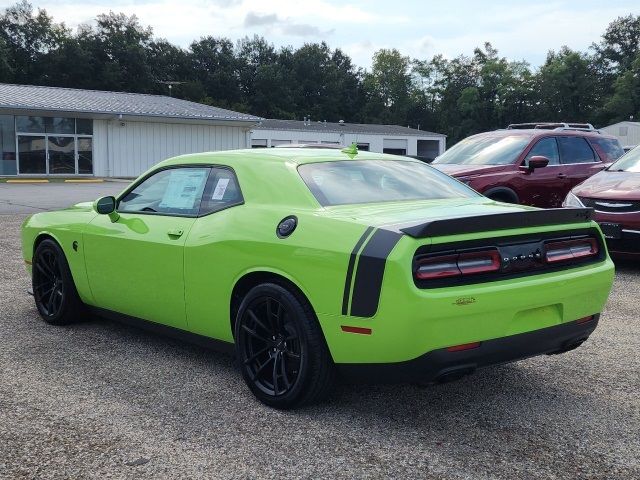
(19,198)
(101,400)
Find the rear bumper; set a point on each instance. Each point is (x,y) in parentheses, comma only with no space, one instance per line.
(443,365)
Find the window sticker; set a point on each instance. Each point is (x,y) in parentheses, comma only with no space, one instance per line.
(185,188)
(221,187)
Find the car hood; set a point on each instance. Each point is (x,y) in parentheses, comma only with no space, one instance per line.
(611,186)
(456,170)
(395,213)
(82,207)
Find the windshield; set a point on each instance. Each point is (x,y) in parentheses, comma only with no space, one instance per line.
(368,181)
(629,163)
(485,150)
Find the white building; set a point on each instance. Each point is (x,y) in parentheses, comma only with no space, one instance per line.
(627,132)
(62,131)
(375,138)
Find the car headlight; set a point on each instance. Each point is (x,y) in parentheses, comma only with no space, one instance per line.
(572,201)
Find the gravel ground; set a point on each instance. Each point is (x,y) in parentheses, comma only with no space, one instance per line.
(101,400)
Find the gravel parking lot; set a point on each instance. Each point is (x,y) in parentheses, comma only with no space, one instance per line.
(102,400)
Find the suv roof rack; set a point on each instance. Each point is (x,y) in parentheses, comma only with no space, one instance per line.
(583,127)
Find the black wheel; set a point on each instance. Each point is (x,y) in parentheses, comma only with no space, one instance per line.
(53,288)
(281,349)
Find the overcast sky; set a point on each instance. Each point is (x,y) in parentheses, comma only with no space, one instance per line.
(421,29)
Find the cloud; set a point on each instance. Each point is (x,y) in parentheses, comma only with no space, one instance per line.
(256,20)
(284,26)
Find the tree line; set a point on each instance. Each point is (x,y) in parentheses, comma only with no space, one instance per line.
(458,97)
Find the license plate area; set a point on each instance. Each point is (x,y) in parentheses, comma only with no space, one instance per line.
(611,230)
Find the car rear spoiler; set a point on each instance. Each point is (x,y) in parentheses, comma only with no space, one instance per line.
(499,221)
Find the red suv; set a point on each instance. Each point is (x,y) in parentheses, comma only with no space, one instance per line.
(530,163)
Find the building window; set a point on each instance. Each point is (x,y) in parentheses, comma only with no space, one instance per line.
(53,145)
(395,151)
(8,144)
(275,143)
(363,147)
(259,143)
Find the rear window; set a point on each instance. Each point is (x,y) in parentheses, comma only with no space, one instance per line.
(485,150)
(369,181)
(609,149)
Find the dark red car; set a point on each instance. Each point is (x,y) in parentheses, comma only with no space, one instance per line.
(615,195)
(531,164)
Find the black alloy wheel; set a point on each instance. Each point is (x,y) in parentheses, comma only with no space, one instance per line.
(272,346)
(48,288)
(281,349)
(53,289)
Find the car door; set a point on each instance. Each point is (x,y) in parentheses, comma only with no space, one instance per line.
(540,187)
(135,264)
(579,160)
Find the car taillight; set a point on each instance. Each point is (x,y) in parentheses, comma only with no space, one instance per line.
(468,263)
(564,250)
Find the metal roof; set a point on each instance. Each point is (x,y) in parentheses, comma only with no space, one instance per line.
(30,97)
(364,128)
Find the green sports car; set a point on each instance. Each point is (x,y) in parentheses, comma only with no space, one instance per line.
(317,263)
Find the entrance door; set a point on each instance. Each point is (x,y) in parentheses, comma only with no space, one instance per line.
(32,154)
(61,155)
(85,155)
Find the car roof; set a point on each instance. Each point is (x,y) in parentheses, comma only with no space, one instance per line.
(540,132)
(296,156)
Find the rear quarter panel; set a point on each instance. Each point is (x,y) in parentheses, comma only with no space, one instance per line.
(225,246)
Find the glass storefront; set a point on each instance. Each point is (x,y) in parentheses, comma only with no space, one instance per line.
(46,145)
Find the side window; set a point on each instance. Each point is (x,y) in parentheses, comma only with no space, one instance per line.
(575,150)
(222,191)
(175,191)
(608,149)
(547,147)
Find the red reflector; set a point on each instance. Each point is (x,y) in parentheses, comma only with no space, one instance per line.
(360,330)
(464,346)
(455,265)
(585,319)
(571,249)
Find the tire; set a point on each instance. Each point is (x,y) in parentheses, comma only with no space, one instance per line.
(280,348)
(54,292)
(502,197)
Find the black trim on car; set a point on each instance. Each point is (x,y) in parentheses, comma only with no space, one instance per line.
(499,221)
(352,262)
(371,264)
(165,330)
(442,365)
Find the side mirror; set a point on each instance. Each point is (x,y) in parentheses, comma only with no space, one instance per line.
(105,205)
(538,161)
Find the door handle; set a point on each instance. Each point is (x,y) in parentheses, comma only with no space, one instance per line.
(175,232)
(562,175)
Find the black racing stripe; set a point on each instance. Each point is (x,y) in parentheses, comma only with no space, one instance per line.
(352,262)
(368,282)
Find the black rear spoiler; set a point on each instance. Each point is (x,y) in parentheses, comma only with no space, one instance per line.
(499,221)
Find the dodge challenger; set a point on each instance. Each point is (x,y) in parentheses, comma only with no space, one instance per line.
(312,264)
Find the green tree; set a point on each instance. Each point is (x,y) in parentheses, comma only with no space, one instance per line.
(388,87)
(624,103)
(567,86)
(27,37)
(216,67)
